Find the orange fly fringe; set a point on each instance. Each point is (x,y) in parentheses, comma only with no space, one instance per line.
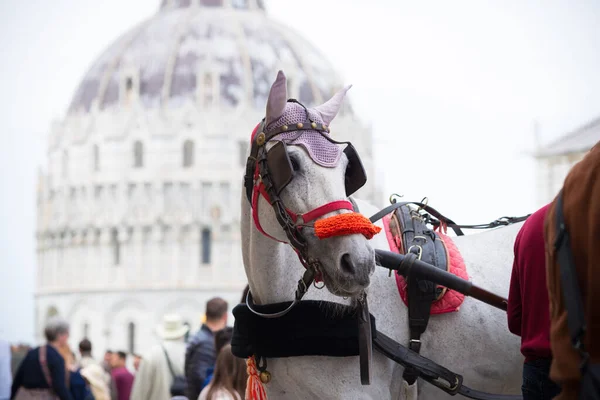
(254,387)
(345,224)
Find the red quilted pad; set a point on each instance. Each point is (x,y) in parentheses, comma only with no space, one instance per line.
(451,300)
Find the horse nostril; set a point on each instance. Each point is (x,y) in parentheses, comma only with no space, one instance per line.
(347,265)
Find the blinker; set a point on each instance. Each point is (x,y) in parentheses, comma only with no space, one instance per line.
(281,170)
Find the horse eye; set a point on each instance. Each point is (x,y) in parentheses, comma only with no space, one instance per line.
(295,164)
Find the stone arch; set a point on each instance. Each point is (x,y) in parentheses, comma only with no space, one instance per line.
(121,317)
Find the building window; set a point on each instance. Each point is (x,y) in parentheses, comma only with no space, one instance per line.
(96,158)
(65,164)
(86,330)
(208,89)
(188,153)
(205,246)
(131,338)
(242,152)
(114,239)
(128,84)
(138,154)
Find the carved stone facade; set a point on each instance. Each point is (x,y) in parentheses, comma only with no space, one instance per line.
(138,208)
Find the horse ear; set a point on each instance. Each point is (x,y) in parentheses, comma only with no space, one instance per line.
(329,109)
(277,98)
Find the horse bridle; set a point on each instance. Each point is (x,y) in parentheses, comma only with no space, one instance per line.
(267,174)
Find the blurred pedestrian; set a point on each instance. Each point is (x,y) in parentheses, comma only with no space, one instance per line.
(229,381)
(121,377)
(42,374)
(200,354)
(108,354)
(96,377)
(222,338)
(528,308)
(85,351)
(161,369)
(78,386)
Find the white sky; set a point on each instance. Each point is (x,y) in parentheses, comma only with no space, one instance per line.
(451,90)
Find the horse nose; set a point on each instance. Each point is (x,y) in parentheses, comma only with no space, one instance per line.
(347,264)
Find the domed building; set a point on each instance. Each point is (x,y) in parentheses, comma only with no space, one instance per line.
(138,208)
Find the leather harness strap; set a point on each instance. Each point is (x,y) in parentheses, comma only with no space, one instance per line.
(430,371)
(424,244)
(445,220)
(437,219)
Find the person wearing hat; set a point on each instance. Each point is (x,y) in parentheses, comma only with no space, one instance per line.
(96,377)
(163,362)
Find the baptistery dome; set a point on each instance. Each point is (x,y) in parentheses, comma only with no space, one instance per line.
(139,203)
(222,52)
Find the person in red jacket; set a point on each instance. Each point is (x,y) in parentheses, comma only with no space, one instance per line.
(528,308)
(122,378)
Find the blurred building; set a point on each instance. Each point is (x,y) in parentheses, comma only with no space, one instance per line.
(138,207)
(554,161)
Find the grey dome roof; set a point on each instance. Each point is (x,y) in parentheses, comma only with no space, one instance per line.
(168,59)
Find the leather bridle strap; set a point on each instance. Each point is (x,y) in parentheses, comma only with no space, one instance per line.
(303,285)
(430,371)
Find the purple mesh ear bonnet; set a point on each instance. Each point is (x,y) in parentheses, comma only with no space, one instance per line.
(281,112)
(320,150)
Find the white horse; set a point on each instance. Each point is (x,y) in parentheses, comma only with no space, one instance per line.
(474,342)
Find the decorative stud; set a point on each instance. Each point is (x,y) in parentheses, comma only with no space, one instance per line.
(265,377)
(285,127)
(300,125)
(260,139)
(314,125)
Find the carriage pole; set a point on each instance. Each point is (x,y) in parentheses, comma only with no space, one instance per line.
(408,265)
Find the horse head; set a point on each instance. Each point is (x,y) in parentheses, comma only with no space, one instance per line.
(297,175)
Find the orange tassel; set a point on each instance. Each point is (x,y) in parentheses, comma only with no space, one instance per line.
(254,387)
(345,224)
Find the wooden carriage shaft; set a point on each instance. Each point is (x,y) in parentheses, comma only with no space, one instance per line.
(408,265)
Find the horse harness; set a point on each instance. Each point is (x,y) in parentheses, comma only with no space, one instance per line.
(288,329)
(408,224)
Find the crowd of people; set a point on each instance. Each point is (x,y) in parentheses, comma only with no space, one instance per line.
(204,368)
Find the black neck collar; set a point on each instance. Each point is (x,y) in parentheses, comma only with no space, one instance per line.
(312,328)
